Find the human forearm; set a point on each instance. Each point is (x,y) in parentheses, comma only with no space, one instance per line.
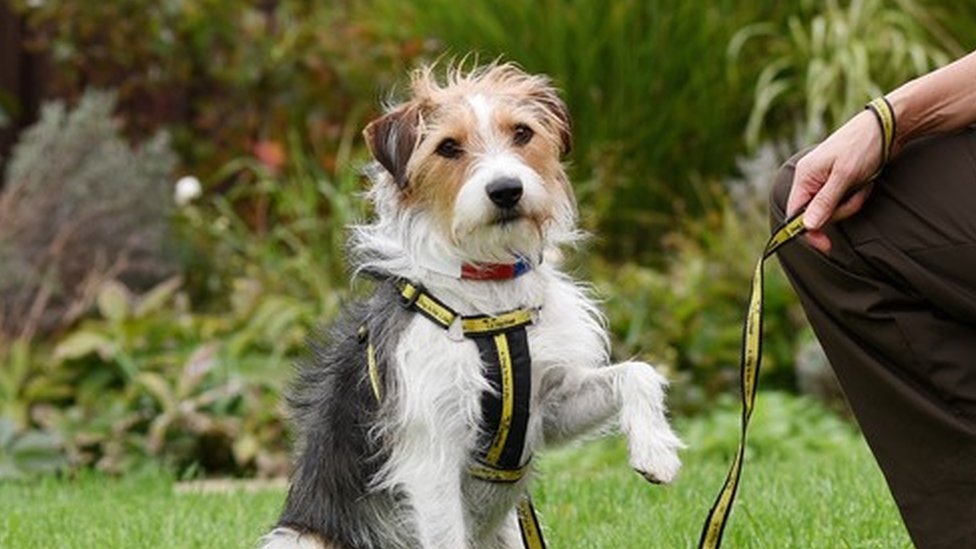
(940,101)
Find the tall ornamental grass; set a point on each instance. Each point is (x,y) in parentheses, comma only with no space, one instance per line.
(655,103)
(829,58)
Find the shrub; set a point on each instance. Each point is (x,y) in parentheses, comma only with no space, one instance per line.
(24,454)
(157,381)
(654,101)
(687,312)
(79,206)
(291,236)
(190,371)
(226,77)
(784,426)
(827,60)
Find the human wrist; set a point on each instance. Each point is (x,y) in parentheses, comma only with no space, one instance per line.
(907,117)
(940,101)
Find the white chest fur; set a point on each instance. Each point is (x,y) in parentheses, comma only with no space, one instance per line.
(438,380)
(439,376)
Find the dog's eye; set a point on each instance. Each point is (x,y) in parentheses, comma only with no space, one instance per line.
(449,148)
(523,134)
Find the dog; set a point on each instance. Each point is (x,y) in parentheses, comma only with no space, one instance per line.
(418,415)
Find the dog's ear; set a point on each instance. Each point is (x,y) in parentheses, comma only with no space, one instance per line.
(391,139)
(558,116)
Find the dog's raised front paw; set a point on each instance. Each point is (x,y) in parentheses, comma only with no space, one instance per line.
(658,462)
(652,444)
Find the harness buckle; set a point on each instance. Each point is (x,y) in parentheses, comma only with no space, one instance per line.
(409,302)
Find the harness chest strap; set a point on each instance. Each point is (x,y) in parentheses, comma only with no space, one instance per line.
(473,326)
(503,347)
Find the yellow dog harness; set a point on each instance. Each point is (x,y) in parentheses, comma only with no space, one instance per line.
(502,343)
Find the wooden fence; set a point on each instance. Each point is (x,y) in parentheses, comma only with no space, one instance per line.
(21,78)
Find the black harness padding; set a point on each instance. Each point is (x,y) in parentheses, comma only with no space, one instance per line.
(508,367)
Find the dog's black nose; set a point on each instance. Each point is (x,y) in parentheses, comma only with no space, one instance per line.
(505,192)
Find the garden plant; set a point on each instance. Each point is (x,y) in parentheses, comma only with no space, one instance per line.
(147,337)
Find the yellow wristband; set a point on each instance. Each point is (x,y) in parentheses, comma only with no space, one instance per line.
(885,115)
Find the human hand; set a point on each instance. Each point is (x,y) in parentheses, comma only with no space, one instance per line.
(844,161)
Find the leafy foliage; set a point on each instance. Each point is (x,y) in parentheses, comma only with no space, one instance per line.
(292,238)
(227,77)
(687,314)
(79,206)
(654,100)
(27,453)
(827,60)
(185,364)
(153,379)
(190,371)
(786,426)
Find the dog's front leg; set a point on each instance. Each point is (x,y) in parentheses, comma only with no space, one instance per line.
(577,400)
(429,472)
(440,517)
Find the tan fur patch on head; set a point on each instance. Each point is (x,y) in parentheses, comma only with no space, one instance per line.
(445,113)
(499,80)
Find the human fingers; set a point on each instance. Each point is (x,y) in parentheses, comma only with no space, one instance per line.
(808,177)
(846,157)
(825,201)
(818,240)
(852,204)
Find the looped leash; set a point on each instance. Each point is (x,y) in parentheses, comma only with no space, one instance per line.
(503,345)
(749,362)
(751,358)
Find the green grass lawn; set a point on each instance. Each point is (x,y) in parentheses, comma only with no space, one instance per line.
(809,482)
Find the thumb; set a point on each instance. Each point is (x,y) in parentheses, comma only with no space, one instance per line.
(823,204)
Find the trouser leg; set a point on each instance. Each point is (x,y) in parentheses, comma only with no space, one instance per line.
(894,307)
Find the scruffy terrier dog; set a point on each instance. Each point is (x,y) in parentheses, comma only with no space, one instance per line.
(419,417)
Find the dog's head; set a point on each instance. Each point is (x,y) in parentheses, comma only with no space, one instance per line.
(477,157)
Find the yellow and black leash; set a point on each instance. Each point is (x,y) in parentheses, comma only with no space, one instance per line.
(750,360)
(751,357)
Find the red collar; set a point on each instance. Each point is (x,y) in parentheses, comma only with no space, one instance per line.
(495,271)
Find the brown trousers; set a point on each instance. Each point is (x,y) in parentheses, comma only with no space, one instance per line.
(894,306)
